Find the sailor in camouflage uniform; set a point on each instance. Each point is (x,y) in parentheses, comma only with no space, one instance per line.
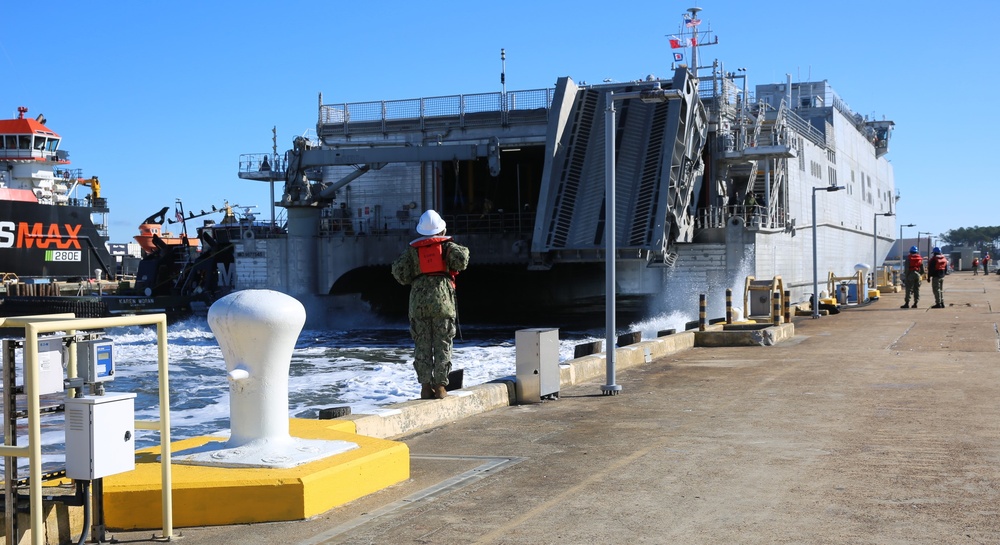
(429,266)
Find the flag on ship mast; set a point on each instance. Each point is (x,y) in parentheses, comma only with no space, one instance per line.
(678,56)
(677,43)
(691,21)
(178,215)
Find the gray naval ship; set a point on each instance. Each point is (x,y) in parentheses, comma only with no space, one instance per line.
(712,183)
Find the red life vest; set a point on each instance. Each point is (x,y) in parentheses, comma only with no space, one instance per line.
(430,252)
(940,263)
(913,262)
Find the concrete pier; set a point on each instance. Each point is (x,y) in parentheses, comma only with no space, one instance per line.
(876,425)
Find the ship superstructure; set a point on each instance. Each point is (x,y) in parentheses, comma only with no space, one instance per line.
(46,232)
(713,183)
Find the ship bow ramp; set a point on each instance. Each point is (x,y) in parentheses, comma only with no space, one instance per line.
(658,168)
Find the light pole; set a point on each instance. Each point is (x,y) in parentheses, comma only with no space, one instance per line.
(875,245)
(648,95)
(815,305)
(928,241)
(901,240)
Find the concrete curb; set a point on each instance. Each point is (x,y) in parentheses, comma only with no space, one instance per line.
(413,416)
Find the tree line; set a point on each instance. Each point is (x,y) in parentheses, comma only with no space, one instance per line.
(982,238)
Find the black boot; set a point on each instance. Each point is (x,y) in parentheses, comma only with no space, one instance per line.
(905,305)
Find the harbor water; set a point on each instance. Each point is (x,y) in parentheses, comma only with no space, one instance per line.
(365,369)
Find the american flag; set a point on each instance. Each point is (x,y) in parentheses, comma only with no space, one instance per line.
(178,215)
(690,22)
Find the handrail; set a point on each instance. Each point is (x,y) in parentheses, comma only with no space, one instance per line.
(34,326)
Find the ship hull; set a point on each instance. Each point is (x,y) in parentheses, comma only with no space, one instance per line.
(51,242)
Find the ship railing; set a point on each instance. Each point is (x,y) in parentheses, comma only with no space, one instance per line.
(444,112)
(255,163)
(805,129)
(489,223)
(754,216)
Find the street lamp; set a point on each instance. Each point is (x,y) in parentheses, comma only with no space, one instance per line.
(901,240)
(875,245)
(815,305)
(648,95)
(928,241)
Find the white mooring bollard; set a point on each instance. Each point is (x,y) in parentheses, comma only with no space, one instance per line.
(257,330)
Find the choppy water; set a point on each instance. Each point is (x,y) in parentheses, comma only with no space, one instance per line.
(364,368)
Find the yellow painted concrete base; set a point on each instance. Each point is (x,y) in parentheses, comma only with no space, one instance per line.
(209,496)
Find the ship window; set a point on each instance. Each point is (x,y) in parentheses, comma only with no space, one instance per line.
(11,141)
(24,142)
(2,139)
(51,144)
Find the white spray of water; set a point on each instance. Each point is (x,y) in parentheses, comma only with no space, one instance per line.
(678,301)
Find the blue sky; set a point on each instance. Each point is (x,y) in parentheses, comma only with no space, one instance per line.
(160,99)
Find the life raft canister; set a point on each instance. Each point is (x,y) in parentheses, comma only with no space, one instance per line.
(430,252)
(914,262)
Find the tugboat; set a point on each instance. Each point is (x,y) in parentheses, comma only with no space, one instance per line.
(53,252)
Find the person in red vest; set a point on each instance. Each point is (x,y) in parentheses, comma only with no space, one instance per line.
(986,263)
(975,266)
(429,265)
(914,270)
(937,268)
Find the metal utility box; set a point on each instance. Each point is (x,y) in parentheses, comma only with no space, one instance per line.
(537,364)
(100,435)
(95,360)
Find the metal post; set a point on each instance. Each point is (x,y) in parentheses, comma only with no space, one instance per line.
(729,305)
(788,307)
(815,303)
(702,304)
(610,253)
(875,245)
(776,308)
(830,189)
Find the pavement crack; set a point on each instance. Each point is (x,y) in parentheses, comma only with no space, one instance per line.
(490,466)
(892,345)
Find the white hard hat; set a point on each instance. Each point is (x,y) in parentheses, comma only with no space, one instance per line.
(430,223)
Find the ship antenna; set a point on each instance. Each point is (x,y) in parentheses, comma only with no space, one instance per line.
(693,22)
(503,80)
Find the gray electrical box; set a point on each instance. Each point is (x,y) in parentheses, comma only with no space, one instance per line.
(100,435)
(537,364)
(95,360)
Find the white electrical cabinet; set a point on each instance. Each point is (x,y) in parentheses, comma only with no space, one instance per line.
(536,353)
(100,435)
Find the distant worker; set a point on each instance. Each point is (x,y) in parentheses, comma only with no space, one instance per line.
(937,268)
(986,263)
(975,266)
(914,274)
(265,165)
(429,265)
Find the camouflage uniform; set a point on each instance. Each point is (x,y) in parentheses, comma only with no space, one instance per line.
(912,286)
(433,311)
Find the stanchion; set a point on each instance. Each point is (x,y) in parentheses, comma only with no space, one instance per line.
(776,308)
(702,303)
(729,305)
(788,307)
